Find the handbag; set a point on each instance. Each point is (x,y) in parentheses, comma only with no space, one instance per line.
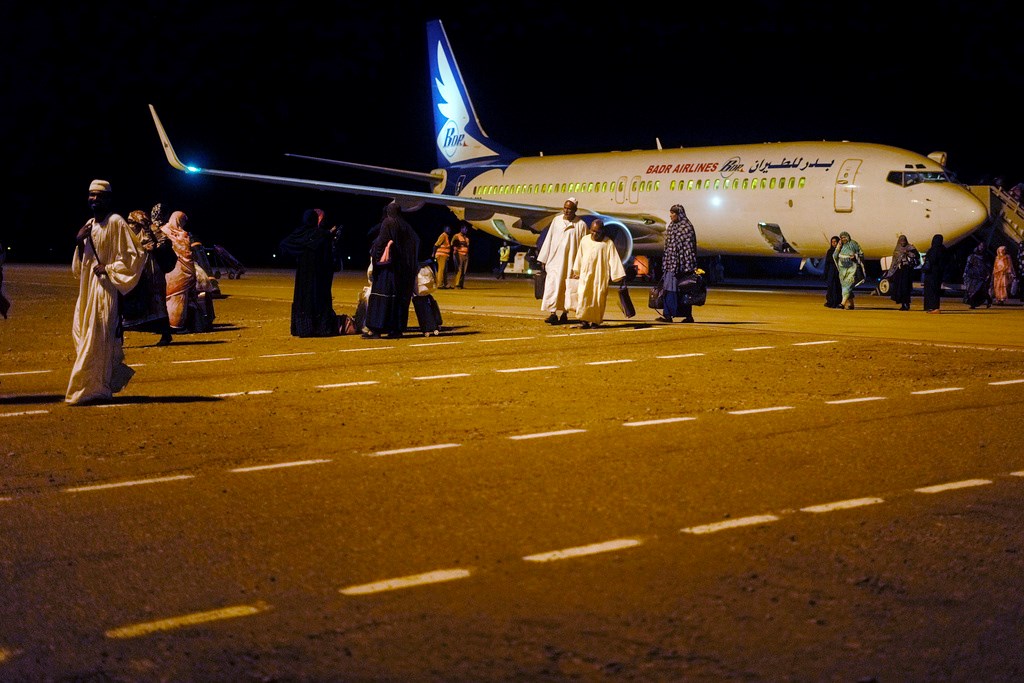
(625,303)
(539,278)
(385,258)
(656,298)
(690,283)
(347,324)
(165,257)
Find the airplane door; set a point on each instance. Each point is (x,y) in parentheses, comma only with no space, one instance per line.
(846,182)
(620,190)
(634,190)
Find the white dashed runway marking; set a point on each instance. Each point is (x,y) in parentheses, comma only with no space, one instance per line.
(730,524)
(24,372)
(25,412)
(120,484)
(580,551)
(842,505)
(406,581)
(541,435)
(753,411)
(538,367)
(451,376)
(967,483)
(935,391)
(415,449)
(296,463)
(346,384)
(862,399)
(145,628)
(666,420)
(202,360)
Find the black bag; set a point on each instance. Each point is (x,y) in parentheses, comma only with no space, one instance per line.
(691,299)
(538,284)
(656,298)
(625,303)
(691,289)
(428,313)
(165,257)
(690,283)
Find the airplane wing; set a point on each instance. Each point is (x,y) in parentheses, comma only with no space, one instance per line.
(401,173)
(533,216)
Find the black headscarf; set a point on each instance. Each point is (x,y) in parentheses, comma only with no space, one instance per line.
(306,237)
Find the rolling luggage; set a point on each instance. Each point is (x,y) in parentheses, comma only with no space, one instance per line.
(428,314)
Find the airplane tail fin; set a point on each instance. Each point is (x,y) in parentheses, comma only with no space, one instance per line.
(459,136)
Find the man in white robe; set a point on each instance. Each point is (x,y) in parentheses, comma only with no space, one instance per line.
(108,260)
(597,263)
(558,254)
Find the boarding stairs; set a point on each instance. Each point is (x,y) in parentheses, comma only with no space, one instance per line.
(1005,215)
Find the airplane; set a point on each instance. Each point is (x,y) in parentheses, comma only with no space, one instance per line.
(778,199)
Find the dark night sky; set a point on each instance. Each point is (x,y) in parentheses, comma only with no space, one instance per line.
(238,86)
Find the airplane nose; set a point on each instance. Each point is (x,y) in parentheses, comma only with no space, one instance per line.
(962,214)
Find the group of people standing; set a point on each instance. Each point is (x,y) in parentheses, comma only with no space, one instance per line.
(984,284)
(578,269)
(455,249)
(135,274)
(844,271)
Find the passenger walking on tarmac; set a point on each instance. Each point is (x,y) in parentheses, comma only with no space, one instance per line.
(394,258)
(597,263)
(108,261)
(182,283)
(460,247)
(833,290)
(849,260)
(504,253)
(556,255)
(145,307)
(905,258)
(977,278)
(678,261)
(311,245)
(933,267)
(442,252)
(1002,276)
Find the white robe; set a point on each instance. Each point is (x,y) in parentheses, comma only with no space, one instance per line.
(597,263)
(99,370)
(558,254)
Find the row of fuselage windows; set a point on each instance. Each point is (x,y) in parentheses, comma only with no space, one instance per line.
(789,183)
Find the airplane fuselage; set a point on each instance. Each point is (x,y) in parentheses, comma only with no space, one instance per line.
(772,199)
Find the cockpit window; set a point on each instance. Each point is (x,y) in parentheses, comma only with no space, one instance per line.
(908,178)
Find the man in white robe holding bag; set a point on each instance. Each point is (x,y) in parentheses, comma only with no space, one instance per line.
(557,254)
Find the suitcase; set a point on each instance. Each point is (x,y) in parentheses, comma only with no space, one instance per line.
(538,284)
(625,302)
(428,314)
